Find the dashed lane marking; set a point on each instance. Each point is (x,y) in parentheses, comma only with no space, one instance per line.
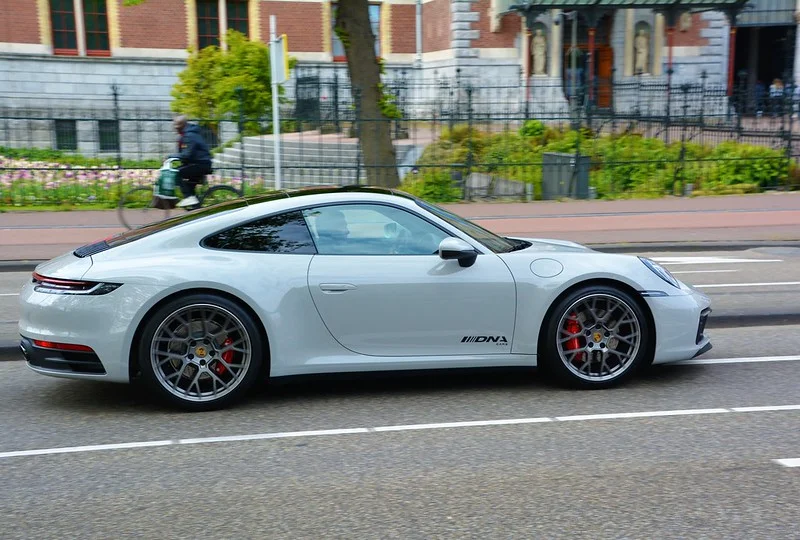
(766,284)
(385,429)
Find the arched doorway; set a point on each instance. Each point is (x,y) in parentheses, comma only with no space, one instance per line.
(603,61)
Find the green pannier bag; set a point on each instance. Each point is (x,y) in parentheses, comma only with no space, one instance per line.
(166,183)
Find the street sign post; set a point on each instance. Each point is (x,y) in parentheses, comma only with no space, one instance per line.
(279,72)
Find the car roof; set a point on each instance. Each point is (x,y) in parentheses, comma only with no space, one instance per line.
(325,190)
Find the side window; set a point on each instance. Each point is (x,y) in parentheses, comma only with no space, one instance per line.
(283,233)
(371,229)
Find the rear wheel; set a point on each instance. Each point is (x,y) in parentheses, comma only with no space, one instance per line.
(596,337)
(201,352)
(139,207)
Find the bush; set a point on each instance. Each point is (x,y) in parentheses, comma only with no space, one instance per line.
(532,128)
(623,165)
(434,185)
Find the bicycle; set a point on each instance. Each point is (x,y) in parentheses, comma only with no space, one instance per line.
(142,205)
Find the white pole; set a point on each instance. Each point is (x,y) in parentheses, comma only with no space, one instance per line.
(276,121)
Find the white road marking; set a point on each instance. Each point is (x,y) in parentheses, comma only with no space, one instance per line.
(711,260)
(795,462)
(9,294)
(773,284)
(704,271)
(381,429)
(743,360)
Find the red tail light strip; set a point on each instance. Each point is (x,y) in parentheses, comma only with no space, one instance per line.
(61,346)
(66,283)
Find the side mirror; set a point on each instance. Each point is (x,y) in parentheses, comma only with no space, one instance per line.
(456,249)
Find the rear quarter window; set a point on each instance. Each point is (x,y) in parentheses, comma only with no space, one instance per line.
(281,233)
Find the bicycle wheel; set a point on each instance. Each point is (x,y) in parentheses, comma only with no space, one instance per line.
(138,207)
(219,194)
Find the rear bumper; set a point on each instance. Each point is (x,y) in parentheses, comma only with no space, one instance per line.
(69,364)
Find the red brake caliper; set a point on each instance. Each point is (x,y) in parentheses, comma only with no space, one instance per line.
(573,327)
(227,358)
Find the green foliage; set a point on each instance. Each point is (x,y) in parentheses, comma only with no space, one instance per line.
(532,128)
(745,164)
(434,185)
(226,83)
(76,160)
(387,104)
(621,166)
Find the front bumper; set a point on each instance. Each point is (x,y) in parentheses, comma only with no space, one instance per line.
(680,326)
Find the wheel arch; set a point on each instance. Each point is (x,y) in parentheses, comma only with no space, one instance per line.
(137,335)
(607,282)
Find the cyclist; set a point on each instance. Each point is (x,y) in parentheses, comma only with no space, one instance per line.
(195,159)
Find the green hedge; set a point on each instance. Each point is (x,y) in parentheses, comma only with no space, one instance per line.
(76,160)
(623,165)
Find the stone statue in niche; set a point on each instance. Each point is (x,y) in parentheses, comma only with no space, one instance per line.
(641,46)
(685,22)
(539,47)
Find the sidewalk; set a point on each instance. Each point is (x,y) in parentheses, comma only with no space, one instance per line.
(671,222)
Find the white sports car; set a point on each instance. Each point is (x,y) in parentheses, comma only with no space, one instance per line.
(202,306)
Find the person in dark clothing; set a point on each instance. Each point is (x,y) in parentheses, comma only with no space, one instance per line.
(195,159)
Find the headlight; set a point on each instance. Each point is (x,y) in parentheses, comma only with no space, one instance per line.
(661,272)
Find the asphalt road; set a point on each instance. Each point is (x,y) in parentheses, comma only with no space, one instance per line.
(695,464)
(377,457)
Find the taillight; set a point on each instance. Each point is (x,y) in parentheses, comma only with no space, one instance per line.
(50,285)
(61,346)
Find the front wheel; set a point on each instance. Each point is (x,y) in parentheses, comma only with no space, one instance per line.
(200,352)
(140,206)
(596,337)
(219,194)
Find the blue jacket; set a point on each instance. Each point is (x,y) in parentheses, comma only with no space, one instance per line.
(191,146)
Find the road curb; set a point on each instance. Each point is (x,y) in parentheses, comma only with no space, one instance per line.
(619,247)
(9,351)
(19,266)
(692,246)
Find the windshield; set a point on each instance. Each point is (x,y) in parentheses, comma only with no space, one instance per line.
(497,244)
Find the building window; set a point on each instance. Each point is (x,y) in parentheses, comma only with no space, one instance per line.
(209,17)
(65,22)
(65,35)
(375,23)
(95,20)
(236,13)
(207,23)
(108,135)
(66,134)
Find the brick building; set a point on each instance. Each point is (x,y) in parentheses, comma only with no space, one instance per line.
(63,53)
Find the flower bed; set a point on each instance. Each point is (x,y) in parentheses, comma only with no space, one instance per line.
(26,183)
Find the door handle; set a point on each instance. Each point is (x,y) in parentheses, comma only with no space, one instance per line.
(336,287)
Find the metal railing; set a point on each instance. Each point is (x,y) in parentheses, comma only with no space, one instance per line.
(637,137)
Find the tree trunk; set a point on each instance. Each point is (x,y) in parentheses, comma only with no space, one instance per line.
(374,129)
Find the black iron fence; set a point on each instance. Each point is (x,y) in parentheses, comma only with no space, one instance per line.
(453,137)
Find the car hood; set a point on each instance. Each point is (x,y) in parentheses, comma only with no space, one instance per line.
(549,244)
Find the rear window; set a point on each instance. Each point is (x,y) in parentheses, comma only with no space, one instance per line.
(184,217)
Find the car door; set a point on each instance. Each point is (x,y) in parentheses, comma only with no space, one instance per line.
(382,290)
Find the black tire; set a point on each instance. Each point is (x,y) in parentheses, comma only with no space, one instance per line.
(570,348)
(136,208)
(218,194)
(180,358)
